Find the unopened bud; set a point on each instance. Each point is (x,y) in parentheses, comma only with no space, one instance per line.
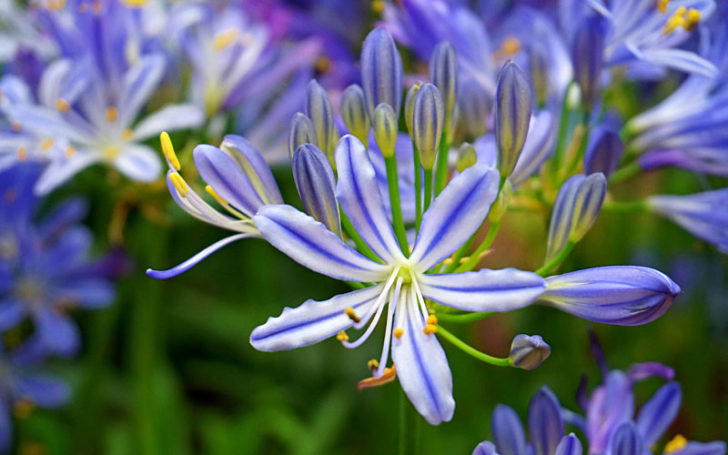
(528,352)
(302,132)
(385,129)
(427,124)
(409,106)
(354,112)
(512,115)
(467,156)
(381,71)
(443,67)
(318,109)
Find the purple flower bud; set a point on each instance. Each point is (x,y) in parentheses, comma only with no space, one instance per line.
(512,115)
(545,425)
(354,112)
(508,434)
(427,124)
(443,66)
(318,109)
(569,445)
(474,106)
(381,71)
(467,156)
(302,132)
(528,352)
(485,448)
(316,185)
(619,295)
(603,152)
(385,129)
(626,441)
(587,54)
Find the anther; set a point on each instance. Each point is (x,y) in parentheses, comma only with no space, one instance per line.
(127,134)
(46,144)
(352,314)
(214,194)
(342,336)
(225,38)
(398,333)
(70,150)
(373,364)
(111,114)
(168,150)
(180,184)
(662,5)
(691,19)
(430,329)
(110,152)
(378,6)
(510,46)
(432,319)
(16,126)
(387,376)
(22,153)
(675,444)
(62,105)
(134,3)
(322,64)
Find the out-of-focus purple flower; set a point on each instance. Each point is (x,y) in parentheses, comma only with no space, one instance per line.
(604,151)
(587,56)
(702,214)
(44,266)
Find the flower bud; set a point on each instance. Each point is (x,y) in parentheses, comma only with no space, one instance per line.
(587,55)
(474,106)
(443,66)
(315,182)
(619,295)
(569,445)
(512,115)
(604,151)
(354,112)
(576,208)
(467,156)
(318,109)
(539,69)
(302,132)
(427,124)
(528,352)
(381,71)
(385,129)
(409,106)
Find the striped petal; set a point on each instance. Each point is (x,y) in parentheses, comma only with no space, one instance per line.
(312,321)
(316,185)
(309,243)
(658,413)
(455,215)
(172,117)
(569,445)
(485,448)
(545,426)
(484,290)
(626,441)
(702,448)
(508,434)
(139,83)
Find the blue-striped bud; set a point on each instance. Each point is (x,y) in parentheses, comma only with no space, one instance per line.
(381,71)
(318,109)
(443,66)
(354,112)
(409,106)
(528,352)
(576,208)
(474,107)
(316,185)
(512,115)
(385,129)
(587,55)
(302,132)
(604,151)
(467,156)
(427,123)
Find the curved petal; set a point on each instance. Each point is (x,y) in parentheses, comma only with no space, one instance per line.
(421,364)
(57,332)
(87,292)
(485,448)
(569,445)
(58,172)
(139,83)
(309,243)
(626,441)
(196,259)
(702,448)
(138,162)
(170,118)
(508,434)
(359,196)
(658,413)
(312,321)
(11,313)
(483,291)
(545,425)
(455,215)
(44,391)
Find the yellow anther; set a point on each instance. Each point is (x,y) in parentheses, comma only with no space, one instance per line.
(214,194)
(675,444)
(70,150)
(54,5)
(225,38)
(111,114)
(134,3)
(22,153)
(352,314)
(662,5)
(387,376)
(83,7)
(180,184)
(46,144)
(510,46)
(429,329)
(692,18)
(342,336)
(62,105)
(96,7)
(322,64)
(127,134)
(110,152)
(378,6)
(398,332)
(16,126)
(168,150)
(23,408)
(373,364)
(432,319)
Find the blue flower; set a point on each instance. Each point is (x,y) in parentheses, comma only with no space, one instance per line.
(44,268)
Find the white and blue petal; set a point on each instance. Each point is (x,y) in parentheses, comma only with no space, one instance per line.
(138,162)
(172,117)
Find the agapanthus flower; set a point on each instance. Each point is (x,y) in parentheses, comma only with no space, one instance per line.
(44,266)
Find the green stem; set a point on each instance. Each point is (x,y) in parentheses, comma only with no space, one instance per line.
(393,186)
(561,138)
(475,256)
(418,189)
(459,254)
(442,162)
(582,146)
(461,318)
(549,266)
(624,206)
(360,245)
(356,284)
(625,173)
(466,348)
(403,433)
(428,188)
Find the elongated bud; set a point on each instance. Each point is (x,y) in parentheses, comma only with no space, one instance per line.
(354,111)
(302,132)
(318,109)
(474,106)
(576,208)
(538,64)
(626,440)
(569,445)
(316,185)
(381,71)
(409,106)
(587,54)
(619,295)
(604,151)
(512,115)
(385,129)
(443,67)
(467,156)
(427,124)
(528,352)
(498,209)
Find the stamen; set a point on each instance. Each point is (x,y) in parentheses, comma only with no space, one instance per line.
(46,144)
(342,336)
(134,3)
(691,19)
(375,307)
(168,150)
(378,6)
(398,332)
(22,153)
(127,134)
(676,20)
(379,304)
(16,126)
(418,294)
(54,5)
(110,152)
(225,38)
(70,150)
(430,329)
(352,314)
(510,46)
(675,444)
(386,377)
(373,364)
(179,183)
(62,105)
(111,114)
(662,5)
(217,197)
(432,319)
(388,327)
(322,64)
